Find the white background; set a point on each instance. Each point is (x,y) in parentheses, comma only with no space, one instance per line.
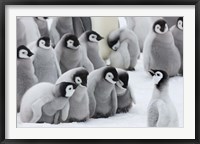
(188,132)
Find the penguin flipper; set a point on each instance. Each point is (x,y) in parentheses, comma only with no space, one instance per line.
(114,102)
(132,94)
(57,65)
(65,111)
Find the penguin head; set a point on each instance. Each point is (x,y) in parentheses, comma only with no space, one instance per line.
(67,89)
(114,43)
(44,43)
(179,23)
(110,74)
(23,52)
(71,42)
(160,26)
(122,83)
(93,36)
(123,80)
(160,77)
(80,77)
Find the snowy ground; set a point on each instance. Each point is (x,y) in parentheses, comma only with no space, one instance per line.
(142,84)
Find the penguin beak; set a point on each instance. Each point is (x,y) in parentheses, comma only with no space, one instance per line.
(74,86)
(151,72)
(100,38)
(30,54)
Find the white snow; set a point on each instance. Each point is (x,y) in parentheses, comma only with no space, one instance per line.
(142,85)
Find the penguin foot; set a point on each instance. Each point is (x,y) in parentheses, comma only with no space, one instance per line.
(100,115)
(77,120)
(124,110)
(131,69)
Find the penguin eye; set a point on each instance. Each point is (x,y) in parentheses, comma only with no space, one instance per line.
(78,80)
(157,27)
(92,37)
(69,88)
(42,42)
(110,75)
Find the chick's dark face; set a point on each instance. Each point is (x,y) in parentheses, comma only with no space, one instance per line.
(44,42)
(113,44)
(160,27)
(179,23)
(67,89)
(80,77)
(71,41)
(124,78)
(93,36)
(110,74)
(23,52)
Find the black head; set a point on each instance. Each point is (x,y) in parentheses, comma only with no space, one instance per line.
(160,77)
(110,74)
(71,41)
(23,52)
(179,23)
(93,36)
(160,26)
(67,88)
(124,77)
(43,42)
(80,77)
(113,43)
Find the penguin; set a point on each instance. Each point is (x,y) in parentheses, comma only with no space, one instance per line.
(125,49)
(45,62)
(90,41)
(102,93)
(177,32)
(141,27)
(79,101)
(42,26)
(42,101)
(125,96)
(25,73)
(160,51)
(161,110)
(70,54)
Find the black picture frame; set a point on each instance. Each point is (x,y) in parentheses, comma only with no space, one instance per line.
(4,3)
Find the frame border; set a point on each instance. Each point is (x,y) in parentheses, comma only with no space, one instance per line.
(3,4)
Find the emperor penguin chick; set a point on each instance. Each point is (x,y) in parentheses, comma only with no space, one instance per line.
(36,97)
(125,49)
(102,93)
(71,55)
(25,73)
(79,101)
(177,32)
(161,111)
(160,51)
(89,41)
(45,62)
(125,96)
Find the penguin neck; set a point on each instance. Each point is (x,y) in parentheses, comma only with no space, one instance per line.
(161,92)
(165,38)
(178,34)
(79,94)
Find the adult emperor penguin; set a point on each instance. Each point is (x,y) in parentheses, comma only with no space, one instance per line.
(25,73)
(161,111)
(160,51)
(125,95)
(89,41)
(42,26)
(79,101)
(125,46)
(70,54)
(45,62)
(102,93)
(42,101)
(177,32)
